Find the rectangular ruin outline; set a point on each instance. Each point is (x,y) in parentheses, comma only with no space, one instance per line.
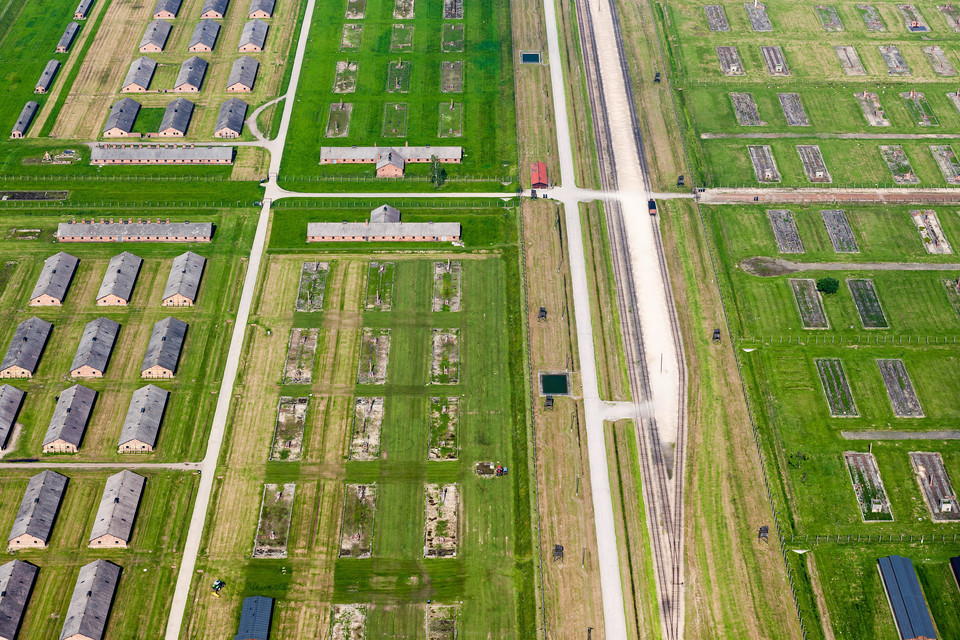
(935,514)
(760,156)
(839,230)
(872,19)
(440,551)
(793,110)
(368,489)
(898,163)
(919,108)
(893,58)
(844,388)
(453,401)
(380,302)
(305,268)
(716,17)
(895,366)
(855,66)
(862,506)
(456,300)
(297,402)
(774,57)
(358,447)
(809,284)
(813,155)
(871,289)
(292,488)
(307,346)
(928,226)
(783,222)
(745,109)
(441,634)
(436,373)
(373,337)
(758,17)
(935,54)
(873,111)
(948,162)
(346,619)
(828,13)
(729,59)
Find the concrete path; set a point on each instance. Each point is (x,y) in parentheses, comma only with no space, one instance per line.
(809,195)
(611,587)
(900,435)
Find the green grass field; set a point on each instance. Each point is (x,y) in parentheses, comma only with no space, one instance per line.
(491,575)
(802,443)
(149,565)
(193,390)
(816,74)
(488,132)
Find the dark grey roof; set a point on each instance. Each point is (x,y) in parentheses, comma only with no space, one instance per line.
(244,71)
(262,5)
(205,33)
(191,72)
(177,116)
(125,230)
(68,35)
(49,73)
(92,598)
(26,117)
(231,116)
(10,400)
(96,344)
(220,6)
(185,274)
(166,340)
(27,344)
(83,8)
(16,583)
(906,598)
(255,618)
(173,6)
(39,506)
(70,418)
(254,32)
(55,276)
(144,415)
(120,276)
(118,506)
(122,115)
(385,213)
(157,33)
(140,72)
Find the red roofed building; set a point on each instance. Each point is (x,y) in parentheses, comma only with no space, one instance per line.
(538,175)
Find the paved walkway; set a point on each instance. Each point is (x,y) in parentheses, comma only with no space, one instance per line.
(832,136)
(806,195)
(44,464)
(900,435)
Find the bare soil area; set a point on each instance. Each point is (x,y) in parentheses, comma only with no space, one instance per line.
(442,533)
(784,226)
(301,353)
(288,434)
(447,280)
(445,357)
(764,164)
(935,485)
(442,621)
(356,529)
(868,486)
(444,426)
(374,354)
(348,622)
(403,9)
(928,226)
(274,525)
(367,423)
(356,9)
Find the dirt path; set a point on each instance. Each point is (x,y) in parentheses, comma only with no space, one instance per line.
(832,136)
(825,623)
(901,435)
(854,195)
(767,267)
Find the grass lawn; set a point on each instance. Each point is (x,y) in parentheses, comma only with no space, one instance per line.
(802,444)
(149,565)
(490,574)
(194,387)
(816,74)
(489,132)
(851,585)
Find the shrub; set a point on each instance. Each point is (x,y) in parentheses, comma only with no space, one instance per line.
(828,285)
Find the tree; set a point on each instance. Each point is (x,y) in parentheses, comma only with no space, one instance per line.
(828,285)
(438,175)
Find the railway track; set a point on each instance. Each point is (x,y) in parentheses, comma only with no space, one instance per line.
(662,490)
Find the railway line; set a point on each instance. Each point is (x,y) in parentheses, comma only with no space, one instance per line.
(662,486)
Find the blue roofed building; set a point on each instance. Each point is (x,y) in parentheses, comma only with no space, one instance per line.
(255,618)
(910,610)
